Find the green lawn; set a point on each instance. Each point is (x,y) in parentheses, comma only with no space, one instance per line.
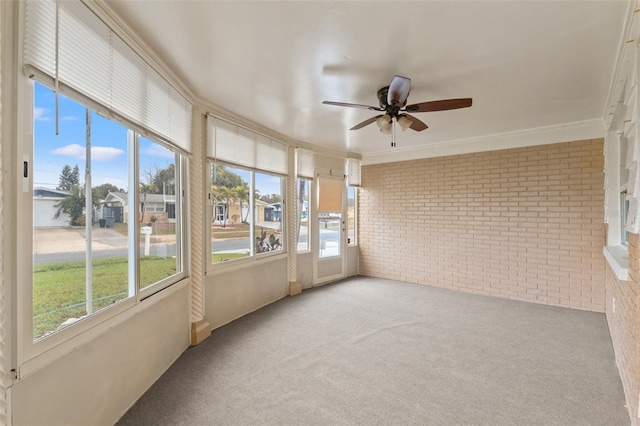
(59,288)
(223,257)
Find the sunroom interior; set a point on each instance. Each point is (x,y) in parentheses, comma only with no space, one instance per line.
(170,167)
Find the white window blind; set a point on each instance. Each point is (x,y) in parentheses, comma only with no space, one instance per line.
(353,172)
(94,61)
(329,195)
(304,163)
(239,146)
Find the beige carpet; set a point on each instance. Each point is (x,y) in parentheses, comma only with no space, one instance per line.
(377,352)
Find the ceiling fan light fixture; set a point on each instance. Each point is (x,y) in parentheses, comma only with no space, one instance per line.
(386,131)
(384,123)
(404,122)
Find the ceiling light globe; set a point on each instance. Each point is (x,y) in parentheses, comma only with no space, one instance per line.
(384,122)
(404,122)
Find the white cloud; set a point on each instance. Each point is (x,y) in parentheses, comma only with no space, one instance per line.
(105,153)
(39,114)
(158,151)
(98,153)
(73,150)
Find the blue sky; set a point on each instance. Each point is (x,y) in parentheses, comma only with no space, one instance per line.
(108,141)
(108,147)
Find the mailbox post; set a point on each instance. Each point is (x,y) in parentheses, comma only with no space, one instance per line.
(146,231)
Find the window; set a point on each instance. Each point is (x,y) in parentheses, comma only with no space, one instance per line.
(302,223)
(268,208)
(231,218)
(238,219)
(247,187)
(624,211)
(351,215)
(158,189)
(94,244)
(624,180)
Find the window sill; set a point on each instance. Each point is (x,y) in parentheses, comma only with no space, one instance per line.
(618,258)
(249,261)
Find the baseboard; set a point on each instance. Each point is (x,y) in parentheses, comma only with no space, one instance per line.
(295,288)
(200,330)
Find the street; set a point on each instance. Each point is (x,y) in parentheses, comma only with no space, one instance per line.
(162,249)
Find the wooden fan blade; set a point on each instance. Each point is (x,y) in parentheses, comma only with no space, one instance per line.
(365,123)
(398,90)
(343,104)
(416,124)
(442,105)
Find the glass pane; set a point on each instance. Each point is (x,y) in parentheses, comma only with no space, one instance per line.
(351,215)
(230,218)
(64,288)
(329,234)
(158,213)
(268,213)
(303,214)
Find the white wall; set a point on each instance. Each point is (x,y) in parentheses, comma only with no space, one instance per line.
(98,381)
(304,268)
(352,260)
(238,291)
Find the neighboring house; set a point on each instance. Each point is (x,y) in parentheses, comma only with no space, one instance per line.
(115,206)
(44,208)
(237,212)
(273,212)
(159,203)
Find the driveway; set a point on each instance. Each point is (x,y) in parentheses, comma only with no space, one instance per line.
(58,240)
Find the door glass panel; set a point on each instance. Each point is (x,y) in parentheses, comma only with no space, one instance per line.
(329,217)
(329,229)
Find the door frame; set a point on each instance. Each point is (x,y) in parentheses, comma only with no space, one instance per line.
(315,247)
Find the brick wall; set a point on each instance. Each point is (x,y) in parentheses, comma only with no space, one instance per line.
(624,325)
(523,223)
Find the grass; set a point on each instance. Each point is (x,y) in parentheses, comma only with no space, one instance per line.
(223,257)
(59,288)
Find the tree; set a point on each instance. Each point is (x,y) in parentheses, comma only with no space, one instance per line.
(226,196)
(68,178)
(145,188)
(161,179)
(242,195)
(271,198)
(73,205)
(228,187)
(100,192)
(221,176)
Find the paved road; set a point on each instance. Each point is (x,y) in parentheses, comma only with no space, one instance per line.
(161,249)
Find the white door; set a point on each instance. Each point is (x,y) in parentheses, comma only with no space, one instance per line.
(330,241)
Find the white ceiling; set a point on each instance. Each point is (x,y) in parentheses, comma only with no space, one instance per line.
(526,64)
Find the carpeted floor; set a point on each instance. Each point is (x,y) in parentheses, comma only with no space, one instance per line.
(368,351)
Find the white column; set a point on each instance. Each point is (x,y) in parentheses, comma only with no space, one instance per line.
(291,206)
(199,247)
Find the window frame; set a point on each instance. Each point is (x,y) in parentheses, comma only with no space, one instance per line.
(355,216)
(33,353)
(253,257)
(298,214)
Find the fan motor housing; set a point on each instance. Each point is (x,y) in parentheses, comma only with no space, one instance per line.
(382,97)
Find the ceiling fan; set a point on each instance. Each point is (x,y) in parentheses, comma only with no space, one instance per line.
(393,101)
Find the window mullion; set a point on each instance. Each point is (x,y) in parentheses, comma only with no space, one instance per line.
(132,201)
(252,212)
